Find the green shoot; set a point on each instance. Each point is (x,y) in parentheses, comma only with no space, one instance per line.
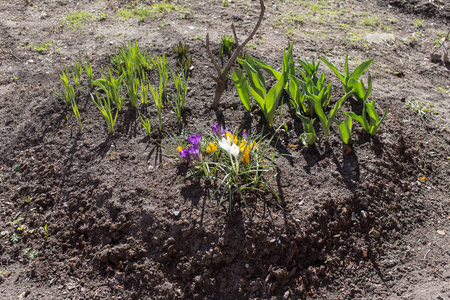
(104,105)
(144,89)
(69,94)
(345,128)
(88,70)
(181,87)
(310,70)
(160,63)
(44,230)
(131,84)
(240,82)
(297,97)
(226,45)
(157,97)
(77,113)
(326,122)
(181,49)
(112,87)
(288,67)
(345,78)
(30,254)
(77,70)
(369,119)
(131,57)
(146,124)
(184,62)
(268,101)
(308,137)
(422,109)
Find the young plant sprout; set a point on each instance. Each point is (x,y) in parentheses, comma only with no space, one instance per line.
(308,137)
(369,118)
(267,100)
(112,87)
(226,45)
(77,76)
(104,105)
(157,98)
(345,129)
(144,89)
(315,102)
(145,122)
(88,69)
(161,65)
(132,85)
(348,78)
(181,88)
(69,91)
(77,113)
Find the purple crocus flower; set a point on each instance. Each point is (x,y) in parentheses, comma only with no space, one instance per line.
(194,139)
(244,134)
(224,132)
(215,130)
(185,154)
(194,151)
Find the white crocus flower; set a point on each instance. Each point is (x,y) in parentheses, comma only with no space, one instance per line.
(233,150)
(225,144)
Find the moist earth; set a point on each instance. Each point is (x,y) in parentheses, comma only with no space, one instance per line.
(110,216)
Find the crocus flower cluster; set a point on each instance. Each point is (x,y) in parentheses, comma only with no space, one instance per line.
(231,144)
(193,150)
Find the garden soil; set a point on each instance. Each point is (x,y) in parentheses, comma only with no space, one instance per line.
(110,217)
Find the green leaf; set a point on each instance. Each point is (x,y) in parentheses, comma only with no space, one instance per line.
(240,81)
(309,137)
(345,128)
(269,69)
(359,70)
(271,101)
(255,77)
(358,88)
(358,119)
(334,69)
(260,100)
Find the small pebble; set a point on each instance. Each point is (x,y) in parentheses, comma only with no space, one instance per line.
(441,232)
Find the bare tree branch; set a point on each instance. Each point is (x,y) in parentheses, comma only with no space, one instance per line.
(235,36)
(216,65)
(223,75)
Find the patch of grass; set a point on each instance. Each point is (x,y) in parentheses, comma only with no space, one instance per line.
(41,47)
(371,22)
(422,109)
(418,23)
(77,19)
(386,28)
(125,13)
(163,24)
(147,11)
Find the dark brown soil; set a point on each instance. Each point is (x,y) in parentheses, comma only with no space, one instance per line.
(121,225)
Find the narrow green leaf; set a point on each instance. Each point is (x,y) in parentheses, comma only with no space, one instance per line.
(269,69)
(334,69)
(271,101)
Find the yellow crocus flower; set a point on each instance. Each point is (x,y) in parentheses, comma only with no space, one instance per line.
(211,148)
